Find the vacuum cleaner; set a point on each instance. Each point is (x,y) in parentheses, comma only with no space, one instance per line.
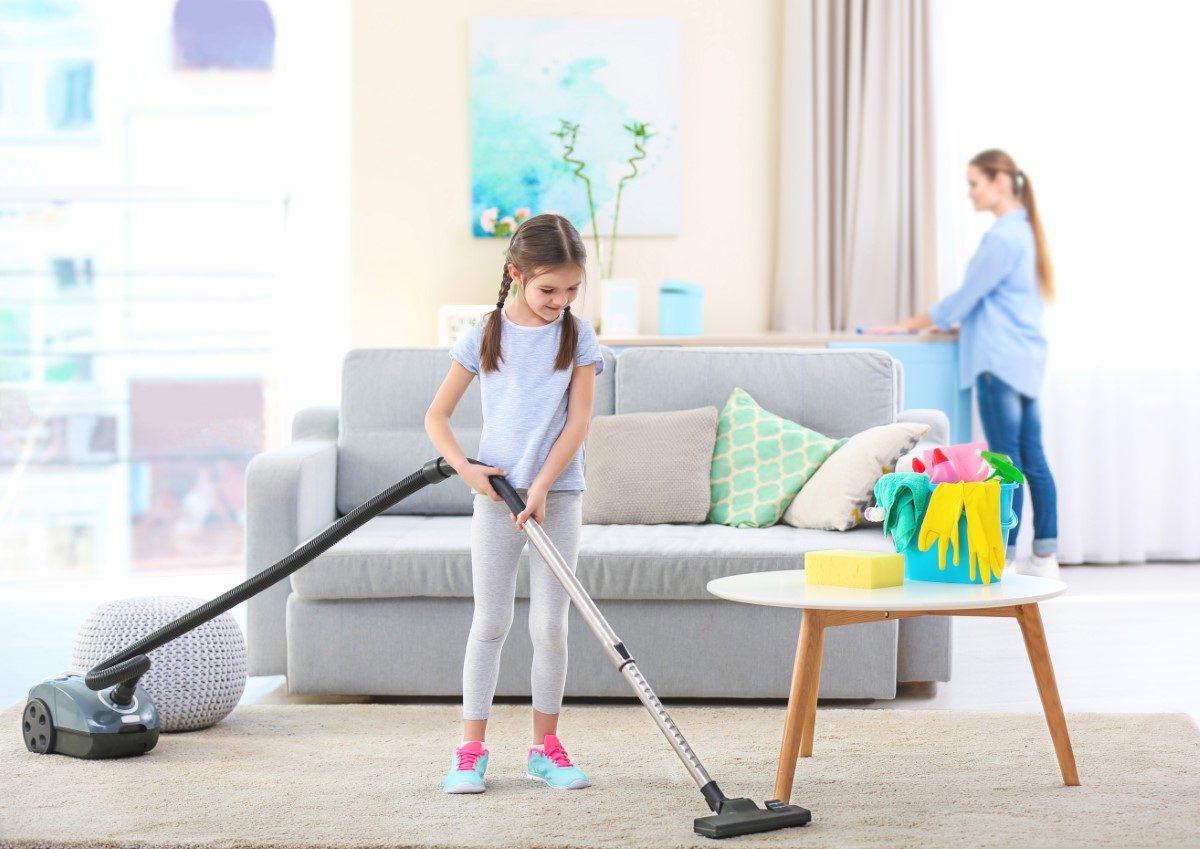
(106,714)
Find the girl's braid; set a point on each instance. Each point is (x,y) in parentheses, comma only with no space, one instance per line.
(505,284)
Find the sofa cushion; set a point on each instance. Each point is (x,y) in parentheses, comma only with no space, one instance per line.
(834,392)
(845,484)
(430,556)
(759,463)
(649,468)
(385,394)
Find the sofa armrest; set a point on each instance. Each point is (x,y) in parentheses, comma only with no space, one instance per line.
(937,435)
(939,425)
(290,496)
(315,423)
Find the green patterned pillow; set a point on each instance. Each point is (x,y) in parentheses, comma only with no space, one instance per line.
(759,463)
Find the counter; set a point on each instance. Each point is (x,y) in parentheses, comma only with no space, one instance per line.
(930,363)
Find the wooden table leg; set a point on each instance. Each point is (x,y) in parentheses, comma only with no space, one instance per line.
(812,673)
(1030,619)
(801,700)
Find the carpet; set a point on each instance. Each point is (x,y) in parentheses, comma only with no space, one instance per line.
(369,775)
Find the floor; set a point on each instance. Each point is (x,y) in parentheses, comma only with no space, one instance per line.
(1122,638)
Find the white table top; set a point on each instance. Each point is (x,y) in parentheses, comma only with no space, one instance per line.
(787,589)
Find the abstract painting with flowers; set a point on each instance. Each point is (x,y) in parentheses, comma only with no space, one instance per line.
(493,224)
(599,74)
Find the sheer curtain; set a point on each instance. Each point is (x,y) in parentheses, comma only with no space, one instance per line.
(1092,100)
(857,216)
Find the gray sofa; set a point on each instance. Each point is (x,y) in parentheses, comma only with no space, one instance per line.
(387,610)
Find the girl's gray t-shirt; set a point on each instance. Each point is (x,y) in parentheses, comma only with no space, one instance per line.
(525,402)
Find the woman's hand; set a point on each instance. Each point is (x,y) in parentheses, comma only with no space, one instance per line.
(476,477)
(535,505)
(916,324)
(889,329)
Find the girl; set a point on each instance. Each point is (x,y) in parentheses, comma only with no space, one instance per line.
(1002,348)
(537,367)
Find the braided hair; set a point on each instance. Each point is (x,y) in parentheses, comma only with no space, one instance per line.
(540,244)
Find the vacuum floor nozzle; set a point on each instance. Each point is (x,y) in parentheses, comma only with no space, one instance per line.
(743,816)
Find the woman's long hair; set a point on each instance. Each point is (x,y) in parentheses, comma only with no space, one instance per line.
(540,244)
(993,162)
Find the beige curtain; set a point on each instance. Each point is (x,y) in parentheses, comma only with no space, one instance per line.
(858,214)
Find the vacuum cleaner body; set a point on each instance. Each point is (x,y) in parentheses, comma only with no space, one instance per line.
(64,716)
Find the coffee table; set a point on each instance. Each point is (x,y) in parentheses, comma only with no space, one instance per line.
(1016,596)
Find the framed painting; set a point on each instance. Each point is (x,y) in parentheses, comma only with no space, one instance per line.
(553,98)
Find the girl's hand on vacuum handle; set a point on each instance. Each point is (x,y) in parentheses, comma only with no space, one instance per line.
(477,478)
(535,505)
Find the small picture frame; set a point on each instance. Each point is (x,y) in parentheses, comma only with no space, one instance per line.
(456,320)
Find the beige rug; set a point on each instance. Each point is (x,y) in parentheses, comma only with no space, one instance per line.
(370,775)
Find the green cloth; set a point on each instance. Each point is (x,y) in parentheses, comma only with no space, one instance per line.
(903,495)
(759,463)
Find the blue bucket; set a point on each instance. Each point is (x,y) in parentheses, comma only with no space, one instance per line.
(923,565)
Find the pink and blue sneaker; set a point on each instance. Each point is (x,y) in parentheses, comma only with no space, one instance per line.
(467,769)
(551,764)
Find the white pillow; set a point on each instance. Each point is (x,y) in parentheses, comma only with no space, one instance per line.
(835,497)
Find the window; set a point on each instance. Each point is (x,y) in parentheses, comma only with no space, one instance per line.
(154,286)
(47,65)
(1091,100)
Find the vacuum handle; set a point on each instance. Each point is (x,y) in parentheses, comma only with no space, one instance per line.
(499,483)
(506,491)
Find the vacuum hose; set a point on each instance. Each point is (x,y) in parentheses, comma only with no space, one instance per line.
(128,666)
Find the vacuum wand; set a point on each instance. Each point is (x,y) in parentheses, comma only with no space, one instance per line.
(732,816)
(613,646)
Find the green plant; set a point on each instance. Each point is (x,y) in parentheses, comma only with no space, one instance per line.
(567,135)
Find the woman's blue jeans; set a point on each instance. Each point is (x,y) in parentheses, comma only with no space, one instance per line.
(1012,423)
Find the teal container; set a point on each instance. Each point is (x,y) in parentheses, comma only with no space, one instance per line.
(680,308)
(923,565)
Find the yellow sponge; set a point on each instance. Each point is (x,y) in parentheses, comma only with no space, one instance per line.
(862,569)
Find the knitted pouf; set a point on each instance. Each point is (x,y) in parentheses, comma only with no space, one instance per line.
(195,680)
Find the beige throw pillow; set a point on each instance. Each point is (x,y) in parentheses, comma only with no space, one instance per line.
(649,468)
(835,497)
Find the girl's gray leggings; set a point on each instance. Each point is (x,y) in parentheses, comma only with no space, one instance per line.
(495,553)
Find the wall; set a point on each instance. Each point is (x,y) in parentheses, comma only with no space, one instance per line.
(410,210)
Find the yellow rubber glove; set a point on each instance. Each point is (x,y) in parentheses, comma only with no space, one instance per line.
(941,520)
(985,538)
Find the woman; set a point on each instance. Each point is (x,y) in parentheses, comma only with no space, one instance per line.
(1002,348)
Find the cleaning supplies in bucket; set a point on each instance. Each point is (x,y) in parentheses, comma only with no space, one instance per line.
(967,519)
(941,521)
(964,517)
(954,463)
(902,497)
(1005,471)
(973,544)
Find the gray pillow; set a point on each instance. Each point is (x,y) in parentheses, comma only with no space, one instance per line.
(649,468)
